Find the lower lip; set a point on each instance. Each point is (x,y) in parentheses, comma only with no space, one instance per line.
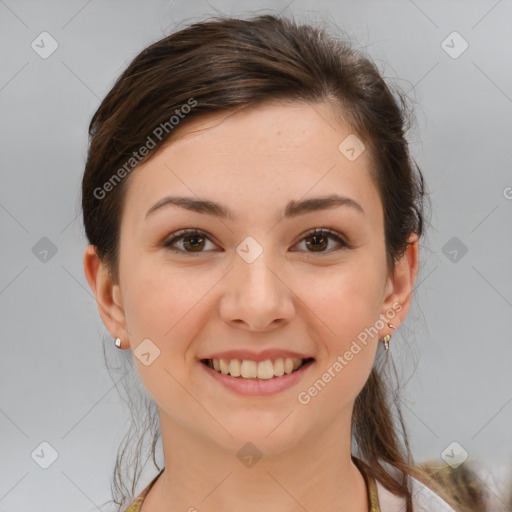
(258,387)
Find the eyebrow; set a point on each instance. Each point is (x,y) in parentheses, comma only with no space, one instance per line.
(293,208)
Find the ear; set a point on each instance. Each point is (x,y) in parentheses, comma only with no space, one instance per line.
(399,286)
(107,294)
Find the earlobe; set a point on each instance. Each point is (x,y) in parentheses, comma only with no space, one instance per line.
(401,284)
(106,292)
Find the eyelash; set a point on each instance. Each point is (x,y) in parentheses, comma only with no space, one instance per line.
(313,232)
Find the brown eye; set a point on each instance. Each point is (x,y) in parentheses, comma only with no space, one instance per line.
(192,241)
(317,240)
(196,242)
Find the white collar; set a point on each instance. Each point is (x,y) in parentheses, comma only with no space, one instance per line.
(423,499)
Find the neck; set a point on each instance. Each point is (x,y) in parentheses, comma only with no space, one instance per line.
(316,473)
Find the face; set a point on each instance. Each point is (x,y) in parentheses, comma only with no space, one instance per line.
(256,279)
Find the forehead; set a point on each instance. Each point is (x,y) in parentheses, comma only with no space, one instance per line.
(255,157)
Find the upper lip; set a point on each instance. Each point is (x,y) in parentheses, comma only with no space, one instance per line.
(256,356)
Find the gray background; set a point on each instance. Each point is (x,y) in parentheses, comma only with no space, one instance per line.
(54,384)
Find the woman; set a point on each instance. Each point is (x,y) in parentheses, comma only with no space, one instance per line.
(253,217)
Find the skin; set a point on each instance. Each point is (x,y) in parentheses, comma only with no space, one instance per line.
(292,296)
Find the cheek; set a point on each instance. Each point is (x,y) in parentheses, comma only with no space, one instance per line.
(162,301)
(345,312)
(346,305)
(347,300)
(164,306)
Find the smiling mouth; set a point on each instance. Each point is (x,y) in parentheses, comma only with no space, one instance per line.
(262,370)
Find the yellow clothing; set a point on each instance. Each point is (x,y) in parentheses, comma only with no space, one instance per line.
(136,504)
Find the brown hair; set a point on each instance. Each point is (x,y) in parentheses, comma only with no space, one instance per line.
(461,483)
(224,64)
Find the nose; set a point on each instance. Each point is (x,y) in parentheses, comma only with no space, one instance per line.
(256,296)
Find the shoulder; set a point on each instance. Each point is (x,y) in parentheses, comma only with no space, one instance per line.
(424,499)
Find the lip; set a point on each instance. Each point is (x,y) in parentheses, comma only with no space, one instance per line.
(258,387)
(256,356)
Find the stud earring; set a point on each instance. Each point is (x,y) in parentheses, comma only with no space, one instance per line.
(118,342)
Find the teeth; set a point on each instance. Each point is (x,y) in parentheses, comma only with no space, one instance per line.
(264,370)
(249,369)
(224,366)
(288,365)
(235,369)
(279,367)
